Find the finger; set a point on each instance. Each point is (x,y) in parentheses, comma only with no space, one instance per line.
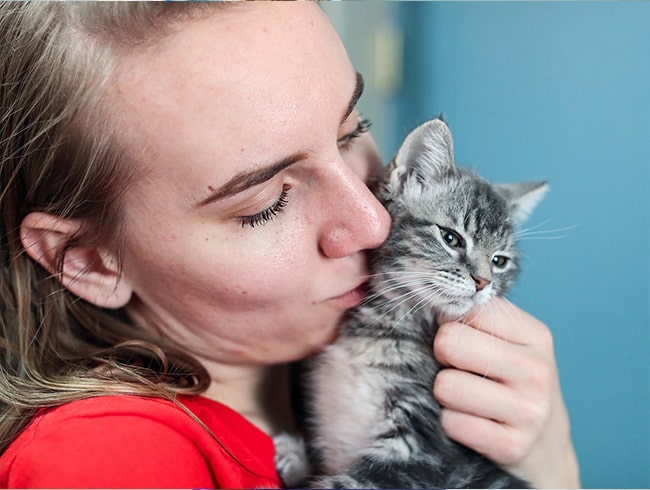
(496,441)
(465,392)
(503,319)
(463,347)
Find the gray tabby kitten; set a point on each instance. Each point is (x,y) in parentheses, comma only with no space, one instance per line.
(452,246)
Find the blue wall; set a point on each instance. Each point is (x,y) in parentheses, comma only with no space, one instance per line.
(561,91)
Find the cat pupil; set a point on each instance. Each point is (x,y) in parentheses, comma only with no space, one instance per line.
(499,260)
(452,238)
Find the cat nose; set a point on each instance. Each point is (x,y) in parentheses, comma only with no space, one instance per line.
(480,282)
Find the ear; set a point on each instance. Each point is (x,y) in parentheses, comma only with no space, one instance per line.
(91,273)
(426,152)
(522,198)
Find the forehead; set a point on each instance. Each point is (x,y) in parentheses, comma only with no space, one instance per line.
(463,202)
(480,210)
(234,83)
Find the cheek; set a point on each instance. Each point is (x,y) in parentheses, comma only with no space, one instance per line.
(268,261)
(503,281)
(238,268)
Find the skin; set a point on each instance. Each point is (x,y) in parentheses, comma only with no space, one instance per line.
(220,140)
(501,394)
(244,298)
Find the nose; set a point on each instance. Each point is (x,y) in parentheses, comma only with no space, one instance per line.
(354,219)
(480,282)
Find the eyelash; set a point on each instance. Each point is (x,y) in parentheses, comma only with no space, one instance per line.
(263,217)
(362,127)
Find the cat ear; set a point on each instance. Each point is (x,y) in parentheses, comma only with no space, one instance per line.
(522,198)
(426,152)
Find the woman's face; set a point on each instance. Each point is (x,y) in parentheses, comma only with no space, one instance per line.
(245,236)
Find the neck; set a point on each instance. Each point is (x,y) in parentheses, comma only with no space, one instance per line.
(261,394)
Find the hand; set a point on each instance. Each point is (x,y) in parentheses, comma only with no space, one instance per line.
(501,395)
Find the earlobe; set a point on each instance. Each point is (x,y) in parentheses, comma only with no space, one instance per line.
(89,272)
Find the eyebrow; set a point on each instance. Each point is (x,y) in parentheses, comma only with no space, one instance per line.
(356,95)
(251,178)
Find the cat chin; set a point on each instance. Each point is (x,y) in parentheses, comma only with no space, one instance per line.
(447,318)
(453,312)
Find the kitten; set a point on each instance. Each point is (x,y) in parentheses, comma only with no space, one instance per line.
(452,246)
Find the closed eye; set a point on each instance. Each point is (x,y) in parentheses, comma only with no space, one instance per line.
(263,217)
(363,125)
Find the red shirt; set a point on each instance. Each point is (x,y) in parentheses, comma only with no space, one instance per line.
(129,441)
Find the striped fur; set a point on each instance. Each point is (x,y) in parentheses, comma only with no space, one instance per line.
(374,417)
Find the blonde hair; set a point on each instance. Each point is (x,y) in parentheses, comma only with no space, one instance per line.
(60,155)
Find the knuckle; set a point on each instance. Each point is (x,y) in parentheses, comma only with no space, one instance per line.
(544,337)
(532,417)
(514,449)
(539,376)
(535,373)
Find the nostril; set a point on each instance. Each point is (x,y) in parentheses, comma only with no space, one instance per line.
(480,282)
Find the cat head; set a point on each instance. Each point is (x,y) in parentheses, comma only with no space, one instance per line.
(453,240)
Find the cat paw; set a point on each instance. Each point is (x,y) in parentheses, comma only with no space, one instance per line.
(290,459)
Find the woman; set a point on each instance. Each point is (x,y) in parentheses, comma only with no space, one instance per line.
(184,213)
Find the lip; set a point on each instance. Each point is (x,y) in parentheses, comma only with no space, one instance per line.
(352,298)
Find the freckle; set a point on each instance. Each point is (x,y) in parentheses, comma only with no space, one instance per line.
(242,150)
(211,188)
(244,292)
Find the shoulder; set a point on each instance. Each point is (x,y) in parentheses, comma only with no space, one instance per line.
(97,411)
(117,441)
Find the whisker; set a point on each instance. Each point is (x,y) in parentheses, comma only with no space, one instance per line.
(393,287)
(420,304)
(394,283)
(543,223)
(556,237)
(514,315)
(533,233)
(400,300)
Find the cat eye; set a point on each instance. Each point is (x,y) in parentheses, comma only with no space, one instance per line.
(452,238)
(500,261)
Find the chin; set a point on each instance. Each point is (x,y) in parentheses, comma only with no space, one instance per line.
(329,336)
(455,310)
